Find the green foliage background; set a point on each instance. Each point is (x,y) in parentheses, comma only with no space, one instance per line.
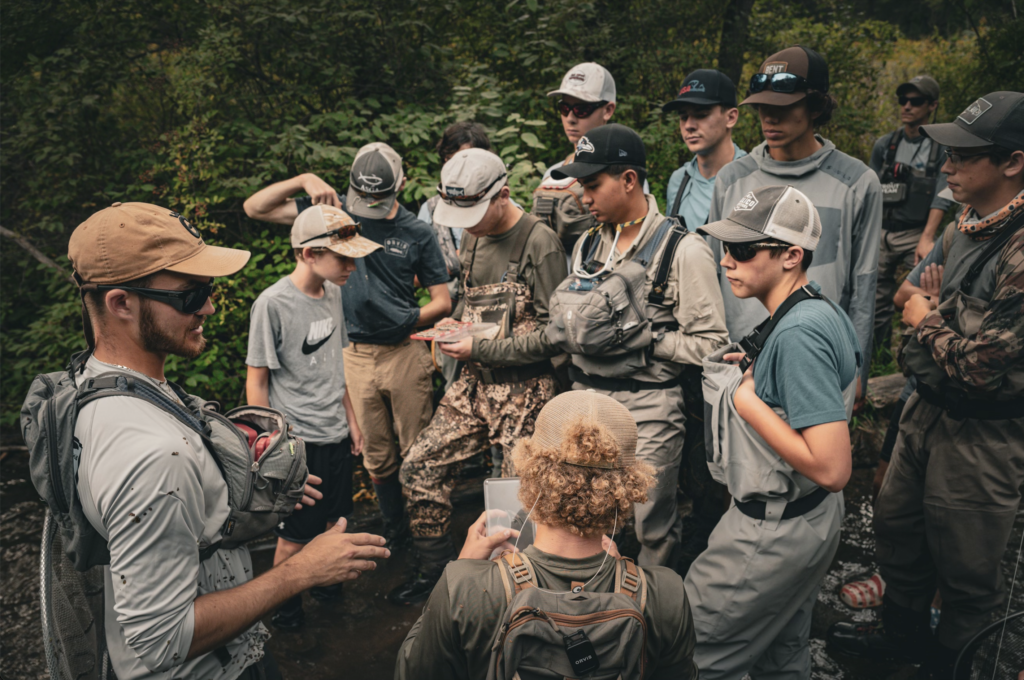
(194,105)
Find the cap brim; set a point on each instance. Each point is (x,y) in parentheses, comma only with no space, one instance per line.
(902,89)
(731,232)
(677,104)
(212,261)
(374,209)
(454,217)
(951,134)
(579,94)
(578,170)
(772,98)
(354,247)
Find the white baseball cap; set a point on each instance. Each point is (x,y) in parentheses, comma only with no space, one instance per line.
(781,213)
(587,82)
(468,183)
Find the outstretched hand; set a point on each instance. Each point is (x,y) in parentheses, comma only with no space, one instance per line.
(334,556)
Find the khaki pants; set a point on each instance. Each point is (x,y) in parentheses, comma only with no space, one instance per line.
(391,392)
(471,417)
(896,248)
(945,513)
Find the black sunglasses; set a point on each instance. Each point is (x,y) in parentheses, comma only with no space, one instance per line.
(188,301)
(339,234)
(580,110)
(468,201)
(786,83)
(744,252)
(913,101)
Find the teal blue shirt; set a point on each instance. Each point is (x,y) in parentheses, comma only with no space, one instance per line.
(807,362)
(696,201)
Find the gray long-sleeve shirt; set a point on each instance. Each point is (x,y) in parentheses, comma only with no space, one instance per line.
(848,197)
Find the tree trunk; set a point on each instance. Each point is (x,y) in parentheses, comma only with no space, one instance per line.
(735,28)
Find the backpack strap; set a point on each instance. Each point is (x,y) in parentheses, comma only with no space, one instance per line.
(630,580)
(679,195)
(947,241)
(657,295)
(754,343)
(516,573)
(890,154)
(114,384)
(518,249)
(933,165)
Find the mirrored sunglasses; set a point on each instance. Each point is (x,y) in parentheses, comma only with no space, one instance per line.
(785,83)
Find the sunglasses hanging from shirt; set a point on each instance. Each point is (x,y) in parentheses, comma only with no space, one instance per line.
(786,83)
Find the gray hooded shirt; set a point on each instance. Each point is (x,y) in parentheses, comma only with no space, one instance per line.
(848,197)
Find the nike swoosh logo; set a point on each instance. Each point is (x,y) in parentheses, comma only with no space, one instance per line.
(309,349)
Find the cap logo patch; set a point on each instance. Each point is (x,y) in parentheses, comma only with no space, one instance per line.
(975,111)
(692,86)
(188,225)
(369,182)
(578,76)
(454,191)
(773,67)
(748,202)
(584,146)
(622,153)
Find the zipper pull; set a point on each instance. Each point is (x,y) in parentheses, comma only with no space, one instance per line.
(255,467)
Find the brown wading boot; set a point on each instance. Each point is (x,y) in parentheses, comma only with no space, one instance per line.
(903,636)
(432,554)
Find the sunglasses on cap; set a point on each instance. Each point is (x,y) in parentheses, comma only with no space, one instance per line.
(785,83)
(580,110)
(744,252)
(468,201)
(187,301)
(913,101)
(375,197)
(339,234)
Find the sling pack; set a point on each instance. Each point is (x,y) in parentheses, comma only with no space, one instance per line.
(261,491)
(907,188)
(754,342)
(605,319)
(574,634)
(963,313)
(560,205)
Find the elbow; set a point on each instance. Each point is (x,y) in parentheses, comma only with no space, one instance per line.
(251,210)
(836,477)
(835,484)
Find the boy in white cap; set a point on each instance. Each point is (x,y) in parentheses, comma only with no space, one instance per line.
(510,263)
(296,337)
(388,376)
(586,100)
(780,441)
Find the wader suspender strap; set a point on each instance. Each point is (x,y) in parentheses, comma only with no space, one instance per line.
(890,154)
(932,167)
(514,260)
(657,296)
(631,581)
(516,573)
(679,196)
(754,343)
(996,244)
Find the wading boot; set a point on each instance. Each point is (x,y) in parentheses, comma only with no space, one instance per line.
(902,636)
(289,616)
(432,554)
(392,507)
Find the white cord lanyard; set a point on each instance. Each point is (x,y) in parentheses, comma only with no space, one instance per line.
(577,265)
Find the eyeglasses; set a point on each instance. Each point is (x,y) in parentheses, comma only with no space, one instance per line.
(744,252)
(580,110)
(913,101)
(187,301)
(468,201)
(785,83)
(339,234)
(957,158)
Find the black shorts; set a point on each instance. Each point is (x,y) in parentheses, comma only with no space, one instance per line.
(333,464)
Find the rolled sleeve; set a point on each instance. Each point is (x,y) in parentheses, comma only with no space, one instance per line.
(699,308)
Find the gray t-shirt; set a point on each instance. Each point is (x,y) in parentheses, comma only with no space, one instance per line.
(149,486)
(300,339)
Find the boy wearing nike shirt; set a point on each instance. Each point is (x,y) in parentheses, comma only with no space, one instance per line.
(296,336)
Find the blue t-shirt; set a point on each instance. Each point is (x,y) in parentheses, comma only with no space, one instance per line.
(696,203)
(807,362)
(379,300)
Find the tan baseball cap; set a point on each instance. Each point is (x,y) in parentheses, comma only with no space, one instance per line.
(468,183)
(324,226)
(569,408)
(130,240)
(588,82)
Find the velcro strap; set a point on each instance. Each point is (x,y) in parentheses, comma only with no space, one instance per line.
(543,205)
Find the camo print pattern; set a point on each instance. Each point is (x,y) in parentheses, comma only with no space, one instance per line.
(525,319)
(991,359)
(471,417)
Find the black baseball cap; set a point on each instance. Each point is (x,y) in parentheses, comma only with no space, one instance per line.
(997,118)
(704,87)
(611,144)
(926,85)
(798,60)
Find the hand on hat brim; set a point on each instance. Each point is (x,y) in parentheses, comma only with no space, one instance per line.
(212,261)
(731,232)
(952,135)
(578,170)
(772,98)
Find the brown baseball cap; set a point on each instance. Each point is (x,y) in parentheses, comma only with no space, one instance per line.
(569,408)
(798,60)
(130,240)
